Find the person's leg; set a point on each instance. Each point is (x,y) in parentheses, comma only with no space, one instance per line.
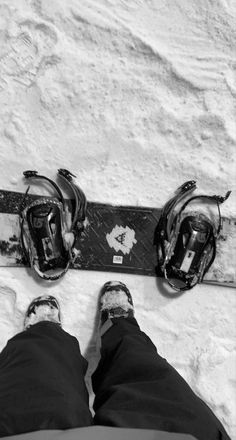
(137,388)
(42,381)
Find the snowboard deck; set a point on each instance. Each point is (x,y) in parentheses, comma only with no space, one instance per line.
(115,238)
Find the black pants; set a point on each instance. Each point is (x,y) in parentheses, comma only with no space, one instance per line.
(42,385)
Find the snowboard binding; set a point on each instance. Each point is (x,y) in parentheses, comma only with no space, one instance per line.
(48,233)
(186,242)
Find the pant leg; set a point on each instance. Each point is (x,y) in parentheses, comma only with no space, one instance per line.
(137,388)
(42,381)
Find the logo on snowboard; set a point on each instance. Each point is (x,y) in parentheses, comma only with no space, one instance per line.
(121,239)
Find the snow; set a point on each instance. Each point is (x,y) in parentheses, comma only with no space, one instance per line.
(134,98)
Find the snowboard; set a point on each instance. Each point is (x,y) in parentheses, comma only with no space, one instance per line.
(115,238)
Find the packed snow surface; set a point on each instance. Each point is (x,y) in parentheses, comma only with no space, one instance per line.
(134,97)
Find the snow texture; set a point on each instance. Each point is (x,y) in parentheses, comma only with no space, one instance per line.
(134,97)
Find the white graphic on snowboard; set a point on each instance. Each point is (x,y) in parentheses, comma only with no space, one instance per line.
(121,239)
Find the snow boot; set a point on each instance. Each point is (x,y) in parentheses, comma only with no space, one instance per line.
(115,301)
(43,308)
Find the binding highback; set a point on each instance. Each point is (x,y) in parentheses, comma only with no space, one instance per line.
(48,232)
(186,243)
